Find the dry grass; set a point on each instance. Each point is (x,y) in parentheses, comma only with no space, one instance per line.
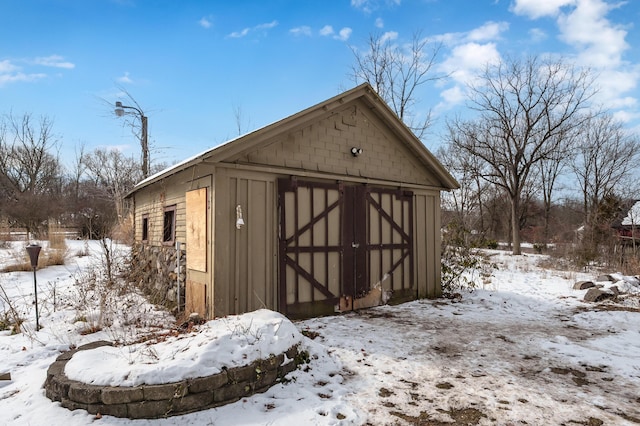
(56,236)
(54,257)
(48,257)
(8,234)
(123,231)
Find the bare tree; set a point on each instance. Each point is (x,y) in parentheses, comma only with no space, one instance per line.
(523,106)
(396,72)
(466,202)
(6,188)
(31,175)
(549,170)
(606,158)
(242,123)
(78,171)
(113,175)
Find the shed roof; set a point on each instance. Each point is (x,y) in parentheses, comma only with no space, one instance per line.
(254,140)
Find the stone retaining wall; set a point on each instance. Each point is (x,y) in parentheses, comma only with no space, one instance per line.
(154,270)
(156,401)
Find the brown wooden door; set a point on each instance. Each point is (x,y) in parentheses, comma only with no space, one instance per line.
(342,247)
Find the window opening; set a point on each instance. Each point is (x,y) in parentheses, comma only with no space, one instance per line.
(169,227)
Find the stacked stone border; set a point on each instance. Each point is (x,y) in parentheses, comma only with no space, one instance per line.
(171,399)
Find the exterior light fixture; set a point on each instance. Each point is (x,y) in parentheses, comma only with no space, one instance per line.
(239,219)
(120,111)
(355,151)
(34,252)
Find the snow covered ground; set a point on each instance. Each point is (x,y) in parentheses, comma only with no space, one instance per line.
(525,349)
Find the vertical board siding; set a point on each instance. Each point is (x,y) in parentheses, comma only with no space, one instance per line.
(427,243)
(246,277)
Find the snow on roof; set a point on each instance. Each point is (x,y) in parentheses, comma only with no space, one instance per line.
(633,216)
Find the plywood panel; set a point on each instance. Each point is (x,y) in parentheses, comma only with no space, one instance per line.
(196,229)
(196,298)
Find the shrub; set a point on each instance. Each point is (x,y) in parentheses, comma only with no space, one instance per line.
(539,247)
(54,257)
(463,268)
(10,318)
(491,244)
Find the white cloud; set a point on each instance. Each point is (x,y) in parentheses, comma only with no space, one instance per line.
(327,30)
(6,78)
(599,44)
(205,22)
(614,83)
(240,34)
(368,6)
(379,23)
(489,31)
(463,66)
(125,79)
(537,35)
(267,26)
(535,9)
(587,28)
(453,96)
(388,36)
(627,117)
(344,34)
(55,61)
(260,27)
(301,31)
(467,59)
(12,73)
(471,52)
(6,67)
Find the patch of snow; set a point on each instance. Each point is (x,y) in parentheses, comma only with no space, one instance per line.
(523,348)
(226,342)
(633,216)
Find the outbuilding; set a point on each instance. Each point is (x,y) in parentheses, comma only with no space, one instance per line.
(331,209)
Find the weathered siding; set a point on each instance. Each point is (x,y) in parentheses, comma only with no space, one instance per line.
(427,243)
(325,146)
(152,201)
(246,273)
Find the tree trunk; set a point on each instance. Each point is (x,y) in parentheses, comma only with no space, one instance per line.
(547,216)
(515,225)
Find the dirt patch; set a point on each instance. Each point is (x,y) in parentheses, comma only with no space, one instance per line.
(444,385)
(611,307)
(497,361)
(564,371)
(384,392)
(462,417)
(630,418)
(591,421)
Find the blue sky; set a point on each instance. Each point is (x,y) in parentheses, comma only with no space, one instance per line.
(190,64)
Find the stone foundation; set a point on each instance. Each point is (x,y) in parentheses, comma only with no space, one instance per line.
(171,399)
(154,270)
